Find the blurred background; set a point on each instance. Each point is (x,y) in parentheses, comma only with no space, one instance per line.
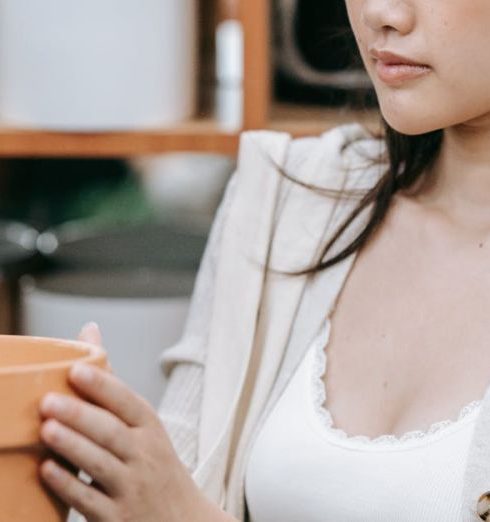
(119,127)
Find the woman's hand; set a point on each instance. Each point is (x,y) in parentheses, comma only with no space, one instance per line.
(115,436)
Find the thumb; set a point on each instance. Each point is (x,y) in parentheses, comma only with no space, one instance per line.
(90,333)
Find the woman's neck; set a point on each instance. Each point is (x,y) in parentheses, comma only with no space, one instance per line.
(458,183)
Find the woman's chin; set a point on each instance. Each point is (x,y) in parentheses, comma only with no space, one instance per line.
(411,125)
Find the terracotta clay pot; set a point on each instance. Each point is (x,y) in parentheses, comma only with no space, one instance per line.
(29,368)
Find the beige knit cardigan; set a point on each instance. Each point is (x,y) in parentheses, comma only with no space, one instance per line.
(248,328)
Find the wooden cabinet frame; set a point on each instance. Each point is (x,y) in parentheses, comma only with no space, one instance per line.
(203,133)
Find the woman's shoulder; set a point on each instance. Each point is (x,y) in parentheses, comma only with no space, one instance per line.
(349,148)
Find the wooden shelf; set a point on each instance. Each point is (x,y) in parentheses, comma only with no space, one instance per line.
(200,135)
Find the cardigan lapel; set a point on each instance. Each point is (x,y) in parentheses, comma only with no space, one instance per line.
(325,286)
(238,291)
(298,228)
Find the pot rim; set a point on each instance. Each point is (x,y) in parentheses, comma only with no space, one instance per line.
(92,353)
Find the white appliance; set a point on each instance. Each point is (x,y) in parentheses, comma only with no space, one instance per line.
(97,65)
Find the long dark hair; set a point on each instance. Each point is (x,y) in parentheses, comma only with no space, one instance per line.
(408,157)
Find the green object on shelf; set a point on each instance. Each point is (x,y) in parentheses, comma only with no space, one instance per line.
(124,204)
(49,192)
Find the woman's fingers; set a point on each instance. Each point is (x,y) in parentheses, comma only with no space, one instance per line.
(90,502)
(100,426)
(83,453)
(110,393)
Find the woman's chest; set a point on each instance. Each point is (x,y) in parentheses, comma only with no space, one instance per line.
(410,338)
(301,469)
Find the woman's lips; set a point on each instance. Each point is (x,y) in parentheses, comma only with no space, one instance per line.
(395,74)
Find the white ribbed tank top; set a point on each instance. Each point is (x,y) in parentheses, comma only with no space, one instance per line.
(302,469)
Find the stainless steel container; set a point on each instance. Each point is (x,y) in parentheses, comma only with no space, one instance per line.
(86,245)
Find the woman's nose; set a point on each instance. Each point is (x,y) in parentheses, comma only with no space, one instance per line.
(388,15)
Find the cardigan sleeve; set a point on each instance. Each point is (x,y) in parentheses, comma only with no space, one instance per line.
(183,363)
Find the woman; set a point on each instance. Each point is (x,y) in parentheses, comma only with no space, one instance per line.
(356,389)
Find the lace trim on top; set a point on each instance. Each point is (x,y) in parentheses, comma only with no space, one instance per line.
(319,396)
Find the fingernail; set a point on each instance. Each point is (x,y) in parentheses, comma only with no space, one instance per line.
(50,469)
(52,402)
(51,429)
(82,372)
(90,326)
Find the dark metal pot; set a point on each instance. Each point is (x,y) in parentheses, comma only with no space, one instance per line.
(84,245)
